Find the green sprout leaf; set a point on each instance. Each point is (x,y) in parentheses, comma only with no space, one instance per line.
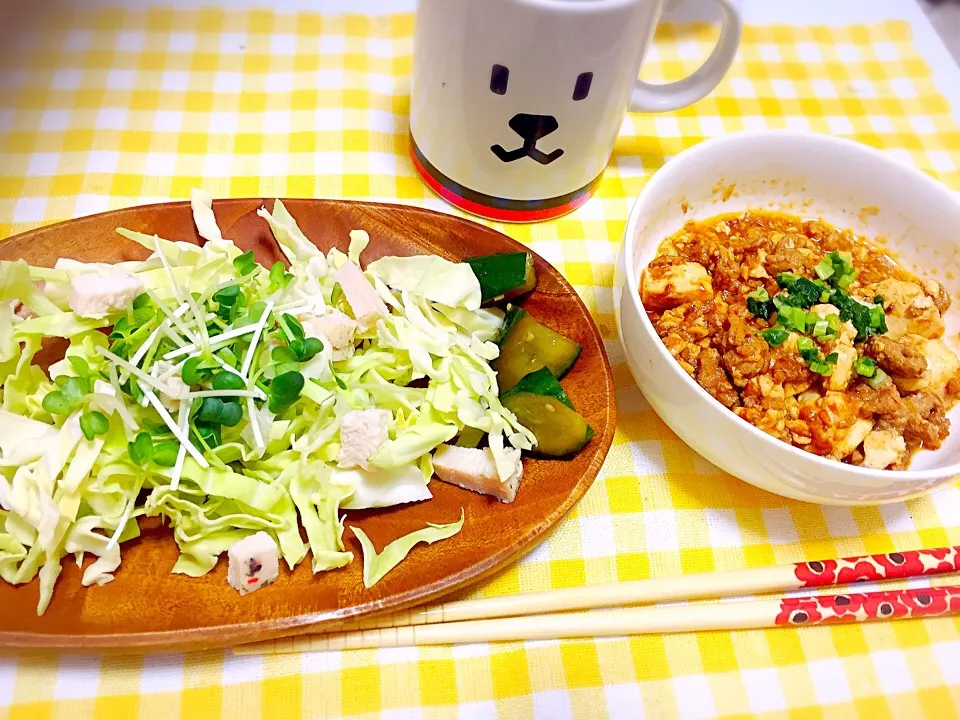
(80,366)
(141,449)
(56,403)
(228,381)
(231,414)
(284,391)
(94,423)
(165,453)
(279,277)
(245,264)
(193,371)
(227,296)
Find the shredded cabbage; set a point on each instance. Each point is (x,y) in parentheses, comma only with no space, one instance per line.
(213,401)
(376,565)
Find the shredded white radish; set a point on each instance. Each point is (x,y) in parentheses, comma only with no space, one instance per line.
(175,429)
(183,420)
(214,340)
(169,270)
(255,425)
(251,351)
(127,512)
(135,371)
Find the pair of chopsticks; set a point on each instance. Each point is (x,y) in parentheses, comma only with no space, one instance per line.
(547,615)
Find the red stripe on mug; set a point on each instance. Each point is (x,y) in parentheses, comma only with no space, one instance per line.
(531,214)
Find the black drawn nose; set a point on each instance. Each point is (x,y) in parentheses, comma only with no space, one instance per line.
(533,127)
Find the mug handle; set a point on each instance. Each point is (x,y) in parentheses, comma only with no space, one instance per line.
(647,97)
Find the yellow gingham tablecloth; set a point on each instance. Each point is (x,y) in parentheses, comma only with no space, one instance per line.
(108,108)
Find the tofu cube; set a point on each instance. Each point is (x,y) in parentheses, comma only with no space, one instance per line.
(363,298)
(362,432)
(942,366)
(474,469)
(96,295)
(253,563)
(334,328)
(882,448)
(666,287)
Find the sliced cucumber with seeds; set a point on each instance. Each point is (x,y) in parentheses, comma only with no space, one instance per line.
(504,276)
(540,382)
(469,437)
(526,346)
(559,429)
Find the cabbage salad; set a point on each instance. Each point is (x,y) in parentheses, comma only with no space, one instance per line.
(204,388)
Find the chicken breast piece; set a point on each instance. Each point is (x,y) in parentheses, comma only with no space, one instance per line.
(665,287)
(474,469)
(334,327)
(363,298)
(96,295)
(362,432)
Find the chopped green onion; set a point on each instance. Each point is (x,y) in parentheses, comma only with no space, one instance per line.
(824,269)
(343,386)
(335,294)
(758,303)
(879,378)
(807,349)
(787,279)
(803,293)
(792,318)
(94,423)
(774,336)
(141,301)
(865,366)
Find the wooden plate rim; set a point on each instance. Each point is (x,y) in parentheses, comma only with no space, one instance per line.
(418,595)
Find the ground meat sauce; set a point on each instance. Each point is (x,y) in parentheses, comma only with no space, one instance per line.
(867,388)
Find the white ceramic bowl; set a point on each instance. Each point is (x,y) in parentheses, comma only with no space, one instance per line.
(850,186)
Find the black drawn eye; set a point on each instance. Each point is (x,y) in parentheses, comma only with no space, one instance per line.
(498,79)
(582,88)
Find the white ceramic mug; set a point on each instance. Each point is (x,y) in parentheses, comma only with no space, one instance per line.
(516,104)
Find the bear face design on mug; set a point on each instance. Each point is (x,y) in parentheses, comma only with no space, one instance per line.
(516,104)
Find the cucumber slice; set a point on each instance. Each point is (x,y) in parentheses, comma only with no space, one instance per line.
(559,429)
(526,346)
(540,382)
(469,437)
(504,276)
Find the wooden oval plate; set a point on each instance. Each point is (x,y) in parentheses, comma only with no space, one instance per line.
(147,607)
